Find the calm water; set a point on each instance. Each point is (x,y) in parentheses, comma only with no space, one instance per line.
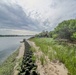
(8,45)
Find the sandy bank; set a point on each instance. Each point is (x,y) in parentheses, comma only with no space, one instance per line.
(20,55)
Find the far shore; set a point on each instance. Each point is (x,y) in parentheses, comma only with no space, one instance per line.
(15,35)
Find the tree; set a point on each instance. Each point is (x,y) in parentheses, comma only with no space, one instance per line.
(66,30)
(74,36)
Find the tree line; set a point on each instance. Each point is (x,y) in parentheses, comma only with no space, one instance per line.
(65,30)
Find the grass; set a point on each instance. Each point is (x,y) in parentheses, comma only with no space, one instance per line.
(20,63)
(32,49)
(62,52)
(6,68)
(42,59)
(33,56)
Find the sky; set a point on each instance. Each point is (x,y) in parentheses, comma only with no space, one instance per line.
(33,16)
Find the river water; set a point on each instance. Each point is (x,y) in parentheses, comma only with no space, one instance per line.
(8,45)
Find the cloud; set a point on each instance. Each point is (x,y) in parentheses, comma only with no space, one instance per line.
(16,32)
(15,17)
(35,15)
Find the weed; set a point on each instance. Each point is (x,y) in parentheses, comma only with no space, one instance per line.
(42,59)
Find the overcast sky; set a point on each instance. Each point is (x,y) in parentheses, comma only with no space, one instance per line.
(32,16)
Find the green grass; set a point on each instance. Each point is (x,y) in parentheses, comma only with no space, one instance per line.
(33,56)
(6,68)
(42,59)
(32,49)
(63,52)
(20,63)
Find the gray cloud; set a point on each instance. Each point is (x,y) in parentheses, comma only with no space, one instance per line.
(14,17)
(63,10)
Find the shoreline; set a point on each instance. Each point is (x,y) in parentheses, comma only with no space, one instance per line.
(19,59)
(2,61)
(7,66)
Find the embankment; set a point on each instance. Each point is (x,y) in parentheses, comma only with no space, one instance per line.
(12,63)
(19,59)
(6,68)
(58,53)
(28,66)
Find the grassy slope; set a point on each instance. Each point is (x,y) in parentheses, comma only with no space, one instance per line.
(7,67)
(64,52)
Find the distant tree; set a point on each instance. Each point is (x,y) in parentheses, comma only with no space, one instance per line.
(43,34)
(51,34)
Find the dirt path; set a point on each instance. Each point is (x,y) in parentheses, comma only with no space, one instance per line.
(20,55)
(50,67)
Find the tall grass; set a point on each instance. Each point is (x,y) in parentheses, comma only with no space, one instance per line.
(61,52)
(42,60)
